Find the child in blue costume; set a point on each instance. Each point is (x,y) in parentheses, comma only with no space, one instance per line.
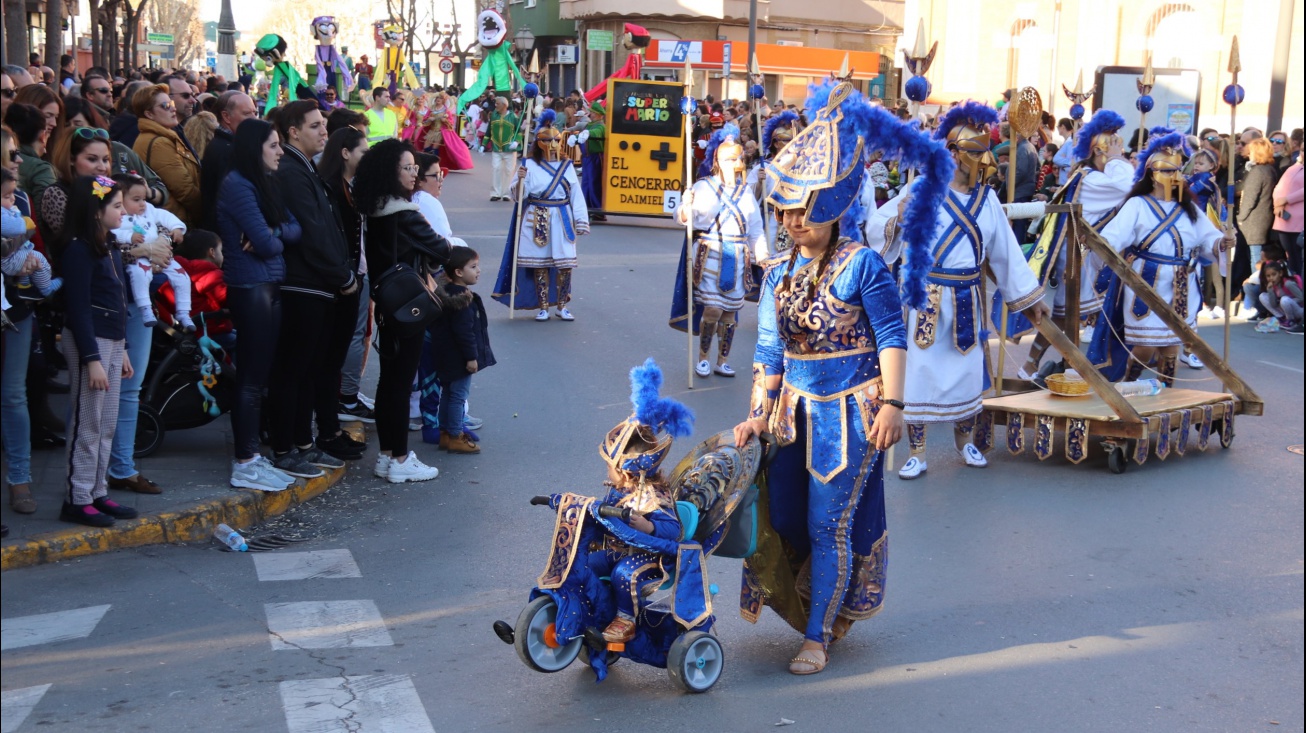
(632,554)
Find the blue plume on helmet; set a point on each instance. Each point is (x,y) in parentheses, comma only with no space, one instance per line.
(709,156)
(786,117)
(1104,122)
(651,409)
(879,130)
(547,117)
(975,113)
(1159,139)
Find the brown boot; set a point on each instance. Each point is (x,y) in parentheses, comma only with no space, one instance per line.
(20,499)
(444,441)
(459,444)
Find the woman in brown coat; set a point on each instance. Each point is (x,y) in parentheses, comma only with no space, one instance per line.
(164,152)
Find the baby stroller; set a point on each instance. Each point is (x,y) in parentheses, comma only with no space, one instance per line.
(190,383)
(716,500)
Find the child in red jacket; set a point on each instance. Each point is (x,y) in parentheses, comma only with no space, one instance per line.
(200,255)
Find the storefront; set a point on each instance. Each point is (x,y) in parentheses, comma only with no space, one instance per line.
(721,67)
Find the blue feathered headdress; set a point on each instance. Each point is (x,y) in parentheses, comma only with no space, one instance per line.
(974,113)
(547,118)
(730,130)
(863,130)
(1161,138)
(1104,122)
(662,414)
(785,118)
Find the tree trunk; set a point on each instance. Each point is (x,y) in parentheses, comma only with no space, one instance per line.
(53,34)
(15,33)
(94,6)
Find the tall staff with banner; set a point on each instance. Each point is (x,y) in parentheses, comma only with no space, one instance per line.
(1233,96)
(529,91)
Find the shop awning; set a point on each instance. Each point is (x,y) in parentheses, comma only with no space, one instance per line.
(732,56)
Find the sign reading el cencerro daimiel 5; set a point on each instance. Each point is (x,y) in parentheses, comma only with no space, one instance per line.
(645,164)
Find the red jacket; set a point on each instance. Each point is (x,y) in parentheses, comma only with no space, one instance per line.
(208,292)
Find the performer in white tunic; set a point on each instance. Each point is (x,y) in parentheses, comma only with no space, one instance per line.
(1160,230)
(553,216)
(946,349)
(1099,182)
(728,239)
(776,134)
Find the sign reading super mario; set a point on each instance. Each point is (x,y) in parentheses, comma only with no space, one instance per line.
(645,147)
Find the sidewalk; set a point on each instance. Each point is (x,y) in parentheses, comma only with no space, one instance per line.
(192,466)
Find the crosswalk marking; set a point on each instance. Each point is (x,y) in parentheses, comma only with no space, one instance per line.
(46,628)
(16,705)
(306,565)
(326,625)
(363,704)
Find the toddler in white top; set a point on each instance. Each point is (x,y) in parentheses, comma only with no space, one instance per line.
(142,223)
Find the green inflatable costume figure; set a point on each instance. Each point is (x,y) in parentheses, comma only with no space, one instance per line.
(272,49)
(498,70)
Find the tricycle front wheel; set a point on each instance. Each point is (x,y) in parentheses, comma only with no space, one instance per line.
(536,640)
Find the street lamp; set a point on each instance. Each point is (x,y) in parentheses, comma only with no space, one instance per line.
(226,62)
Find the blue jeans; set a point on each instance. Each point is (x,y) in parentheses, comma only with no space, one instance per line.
(14,420)
(428,383)
(139,339)
(453,405)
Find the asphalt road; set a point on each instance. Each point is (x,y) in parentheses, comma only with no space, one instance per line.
(1029,596)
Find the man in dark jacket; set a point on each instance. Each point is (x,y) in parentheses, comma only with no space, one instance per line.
(233,109)
(316,330)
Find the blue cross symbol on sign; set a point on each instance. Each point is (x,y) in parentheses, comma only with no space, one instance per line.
(681,51)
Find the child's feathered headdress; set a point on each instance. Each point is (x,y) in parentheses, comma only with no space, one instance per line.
(640,442)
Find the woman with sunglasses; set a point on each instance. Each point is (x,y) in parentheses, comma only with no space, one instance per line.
(163,150)
(125,160)
(35,174)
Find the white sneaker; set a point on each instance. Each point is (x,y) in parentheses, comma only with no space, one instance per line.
(912,468)
(724,370)
(565,314)
(542,315)
(473,423)
(1217,313)
(1192,361)
(1086,336)
(410,469)
(382,467)
(703,368)
(973,457)
(1022,374)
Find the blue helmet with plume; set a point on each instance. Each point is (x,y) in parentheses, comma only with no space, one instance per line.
(728,132)
(971,114)
(640,443)
(1104,122)
(783,120)
(547,118)
(821,171)
(1166,151)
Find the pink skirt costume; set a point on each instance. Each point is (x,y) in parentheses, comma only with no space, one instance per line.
(454,154)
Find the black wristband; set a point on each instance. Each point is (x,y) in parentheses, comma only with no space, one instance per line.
(895,403)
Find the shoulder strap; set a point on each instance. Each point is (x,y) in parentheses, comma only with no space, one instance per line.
(149,151)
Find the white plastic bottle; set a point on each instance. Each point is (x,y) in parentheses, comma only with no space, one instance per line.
(1143,387)
(230,537)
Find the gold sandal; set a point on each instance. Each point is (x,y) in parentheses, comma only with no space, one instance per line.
(808,662)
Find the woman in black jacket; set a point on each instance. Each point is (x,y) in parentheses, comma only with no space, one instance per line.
(344,150)
(396,233)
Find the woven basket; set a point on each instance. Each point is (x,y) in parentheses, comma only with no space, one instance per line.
(1061,386)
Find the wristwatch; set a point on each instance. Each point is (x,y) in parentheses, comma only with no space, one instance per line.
(895,403)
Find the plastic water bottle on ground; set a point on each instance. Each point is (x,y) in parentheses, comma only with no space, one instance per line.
(1141,388)
(230,537)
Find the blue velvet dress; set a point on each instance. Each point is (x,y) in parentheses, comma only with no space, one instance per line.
(825,489)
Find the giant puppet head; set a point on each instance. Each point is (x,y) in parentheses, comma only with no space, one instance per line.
(491,26)
(966,130)
(1164,160)
(393,35)
(325,30)
(271,48)
(636,36)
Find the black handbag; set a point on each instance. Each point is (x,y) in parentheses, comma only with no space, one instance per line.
(403,301)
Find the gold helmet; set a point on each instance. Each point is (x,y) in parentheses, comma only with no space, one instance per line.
(966,128)
(1164,159)
(548,139)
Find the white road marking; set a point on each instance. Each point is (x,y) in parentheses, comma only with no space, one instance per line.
(326,625)
(46,628)
(1280,366)
(306,565)
(363,704)
(16,705)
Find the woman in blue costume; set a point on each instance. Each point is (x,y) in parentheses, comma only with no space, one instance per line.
(828,374)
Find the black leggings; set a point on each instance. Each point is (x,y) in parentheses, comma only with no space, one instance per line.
(399,358)
(256,314)
(302,380)
(1292,250)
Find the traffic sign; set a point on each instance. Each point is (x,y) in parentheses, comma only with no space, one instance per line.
(446,66)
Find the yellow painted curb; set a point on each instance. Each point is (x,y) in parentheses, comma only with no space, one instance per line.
(244,509)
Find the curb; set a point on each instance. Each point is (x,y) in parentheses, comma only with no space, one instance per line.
(196,522)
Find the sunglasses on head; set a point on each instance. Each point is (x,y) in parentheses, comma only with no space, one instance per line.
(8,93)
(91,133)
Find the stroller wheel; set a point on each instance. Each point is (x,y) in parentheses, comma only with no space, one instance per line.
(536,642)
(695,661)
(149,431)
